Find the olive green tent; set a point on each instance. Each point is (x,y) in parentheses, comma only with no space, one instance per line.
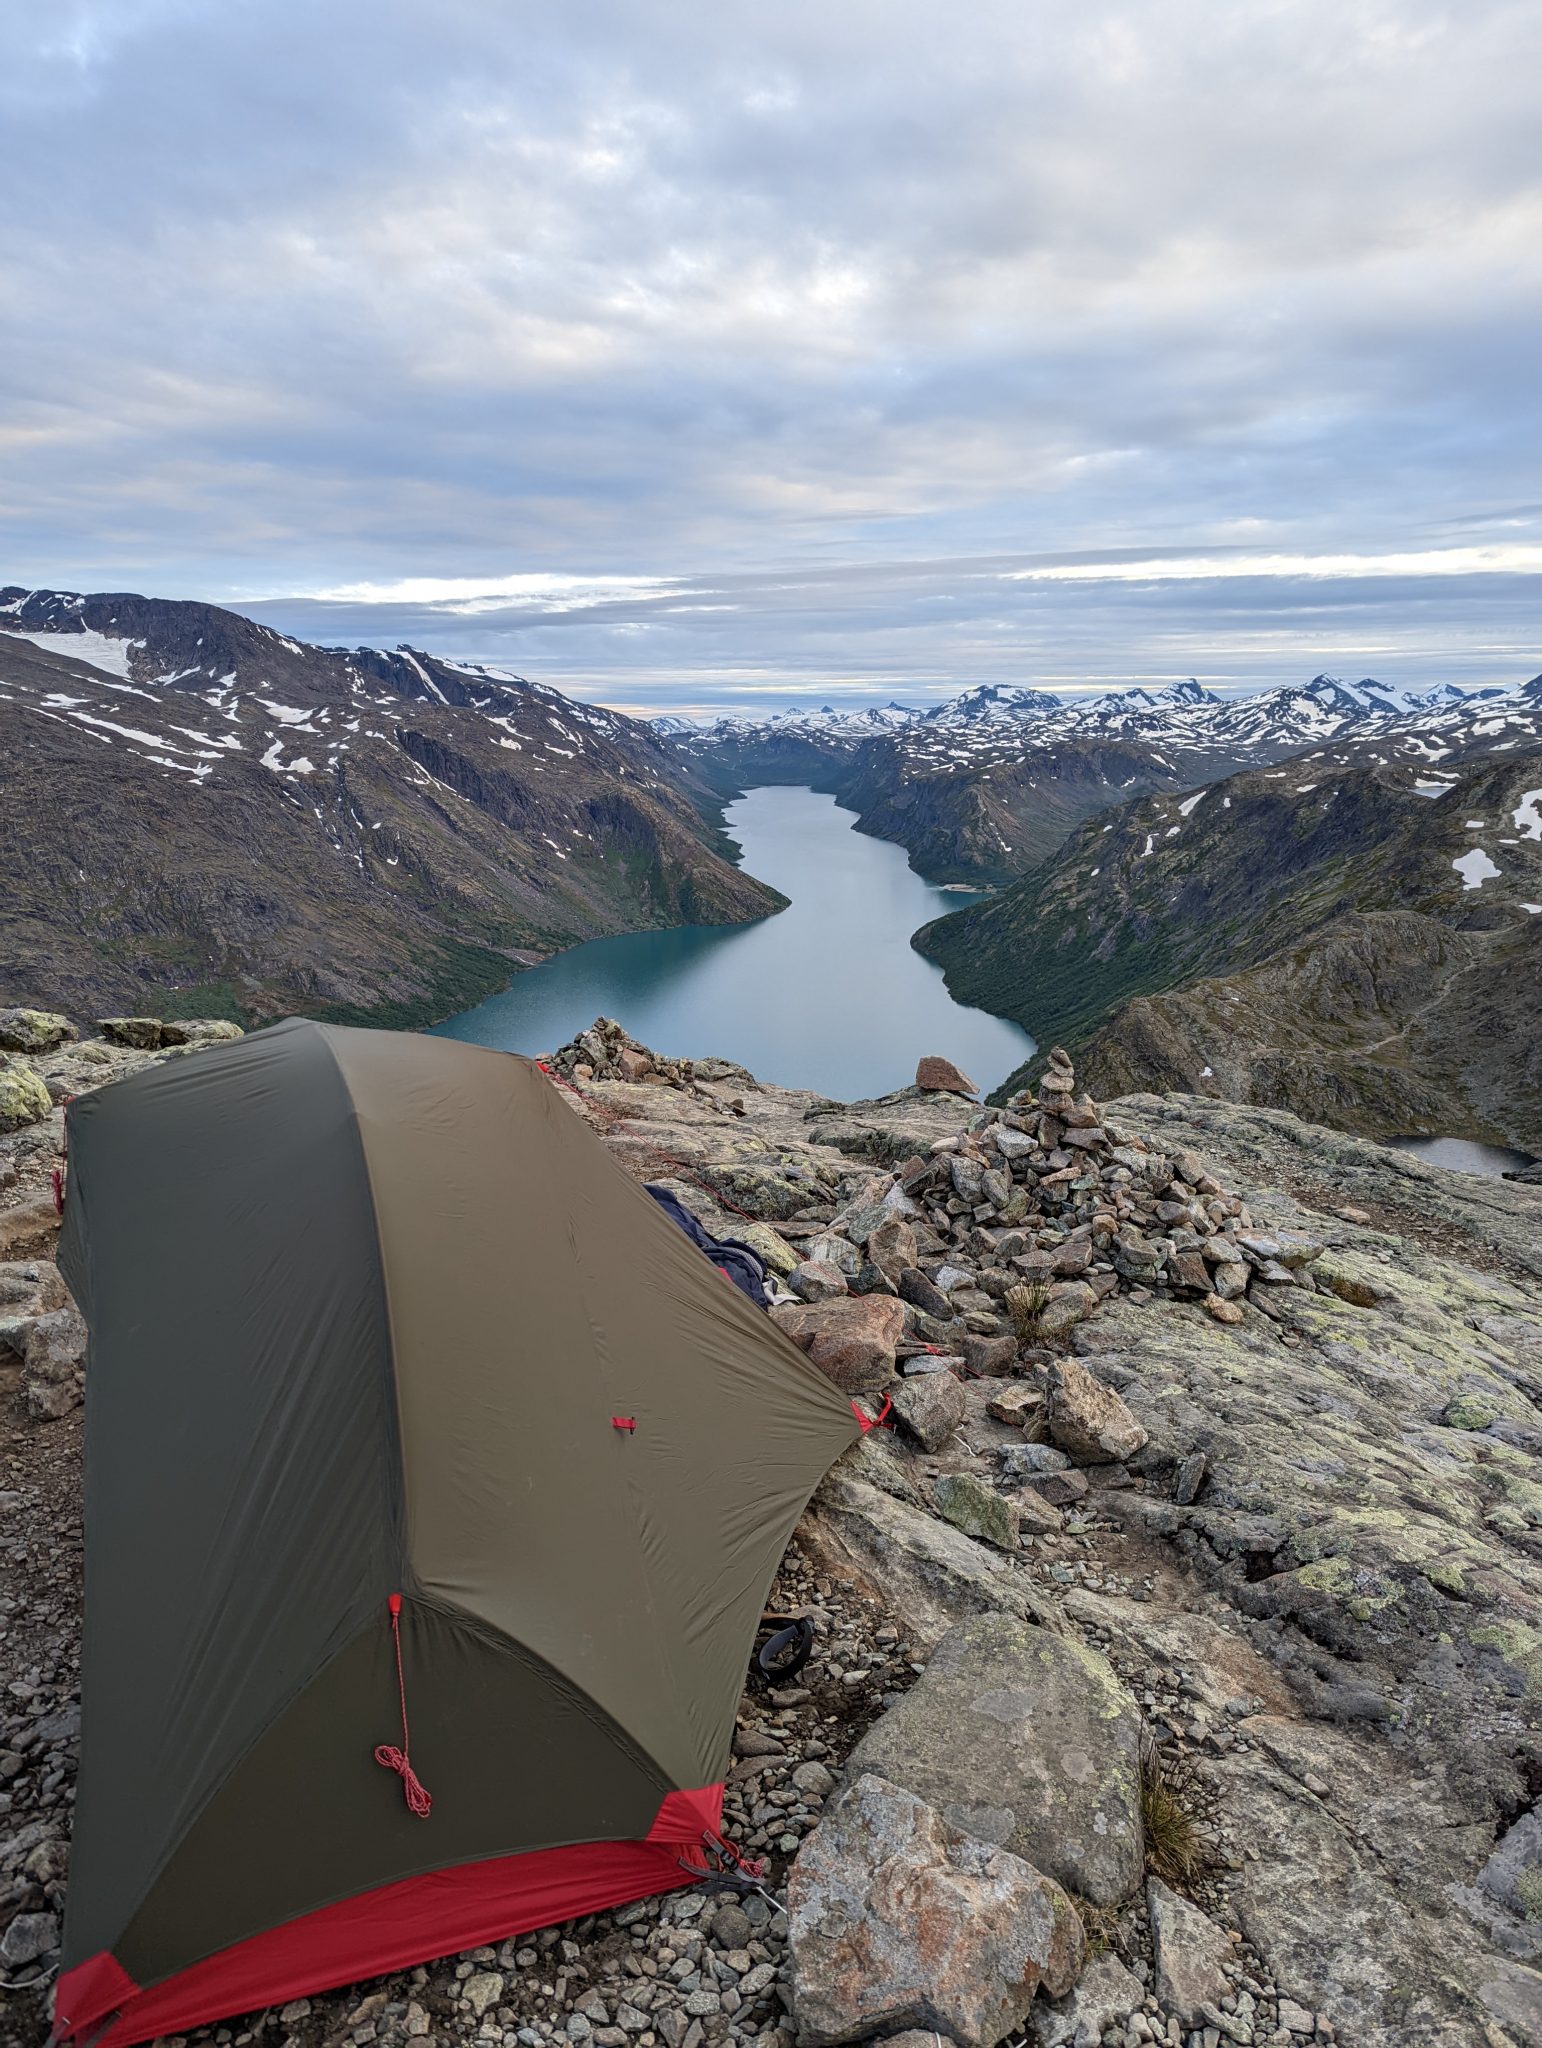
(378,1324)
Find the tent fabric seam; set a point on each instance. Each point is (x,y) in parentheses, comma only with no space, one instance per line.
(382,1273)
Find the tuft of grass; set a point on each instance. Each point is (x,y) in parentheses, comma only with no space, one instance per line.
(1026,1304)
(1172,1808)
(1100,1924)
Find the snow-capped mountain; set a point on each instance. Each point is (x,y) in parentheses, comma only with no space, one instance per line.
(993,704)
(197,806)
(980,787)
(1445,695)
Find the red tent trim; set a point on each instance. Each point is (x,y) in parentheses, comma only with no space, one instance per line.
(390,1928)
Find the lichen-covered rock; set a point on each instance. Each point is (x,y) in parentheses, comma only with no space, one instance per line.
(24,1096)
(1087,1420)
(144,1034)
(930,1407)
(869,1528)
(768,1245)
(851,1341)
(897,1919)
(1028,1739)
(969,1504)
(34,1030)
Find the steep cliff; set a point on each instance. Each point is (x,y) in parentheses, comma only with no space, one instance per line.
(1351,940)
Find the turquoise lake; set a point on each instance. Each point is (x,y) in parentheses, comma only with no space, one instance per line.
(827,994)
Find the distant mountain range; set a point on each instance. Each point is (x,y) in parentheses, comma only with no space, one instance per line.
(983,786)
(200,815)
(1354,934)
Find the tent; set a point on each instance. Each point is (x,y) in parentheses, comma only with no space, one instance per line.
(435,1483)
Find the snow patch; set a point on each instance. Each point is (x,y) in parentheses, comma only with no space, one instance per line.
(1475,868)
(102,650)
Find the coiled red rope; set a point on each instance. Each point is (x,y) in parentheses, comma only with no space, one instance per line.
(419,1800)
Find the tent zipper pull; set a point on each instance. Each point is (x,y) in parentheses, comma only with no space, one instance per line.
(418,1800)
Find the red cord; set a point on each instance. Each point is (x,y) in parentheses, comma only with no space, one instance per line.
(418,1800)
(878,1421)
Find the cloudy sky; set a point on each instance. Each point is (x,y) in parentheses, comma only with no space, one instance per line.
(687,353)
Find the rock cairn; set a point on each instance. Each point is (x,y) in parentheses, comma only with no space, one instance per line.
(607,1053)
(1022,1225)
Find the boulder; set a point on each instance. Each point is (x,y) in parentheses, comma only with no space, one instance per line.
(872,1279)
(922,1293)
(53,1364)
(1018,1405)
(1088,1420)
(142,1033)
(24,1096)
(1037,1515)
(1223,1311)
(930,1407)
(869,1529)
(1513,1874)
(1028,1739)
(817,1280)
(768,1245)
(633,1064)
(34,1030)
(1029,1461)
(940,1076)
(851,1341)
(988,1357)
(1189,1951)
(1070,1302)
(891,1246)
(29,1937)
(1060,1489)
(199,1031)
(1106,1996)
(970,1505)
(836,1251)
(897,1919)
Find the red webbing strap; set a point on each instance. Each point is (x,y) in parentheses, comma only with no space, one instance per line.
(878,1421)
(418,1800)
(724,1859)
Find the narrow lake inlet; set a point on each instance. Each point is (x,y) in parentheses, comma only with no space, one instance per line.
(827,994)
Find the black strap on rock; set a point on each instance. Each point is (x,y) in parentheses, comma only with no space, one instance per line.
(784,1655)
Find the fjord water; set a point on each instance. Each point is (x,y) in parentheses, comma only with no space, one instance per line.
(827,994)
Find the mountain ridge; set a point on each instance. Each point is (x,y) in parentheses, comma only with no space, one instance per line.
(984,786)
(1357,934)
(203,814)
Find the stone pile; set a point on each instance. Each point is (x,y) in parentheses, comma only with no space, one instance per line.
(1017,1229)
(607,1053)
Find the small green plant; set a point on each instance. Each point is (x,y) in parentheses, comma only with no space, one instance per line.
(1026,1304)
(1172,1808)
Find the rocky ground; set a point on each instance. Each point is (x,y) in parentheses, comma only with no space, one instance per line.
(1178,1635)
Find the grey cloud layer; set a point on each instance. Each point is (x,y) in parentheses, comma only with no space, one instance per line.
(299,297)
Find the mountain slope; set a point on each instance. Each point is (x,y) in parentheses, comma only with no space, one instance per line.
(1341,934)
(198,813)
